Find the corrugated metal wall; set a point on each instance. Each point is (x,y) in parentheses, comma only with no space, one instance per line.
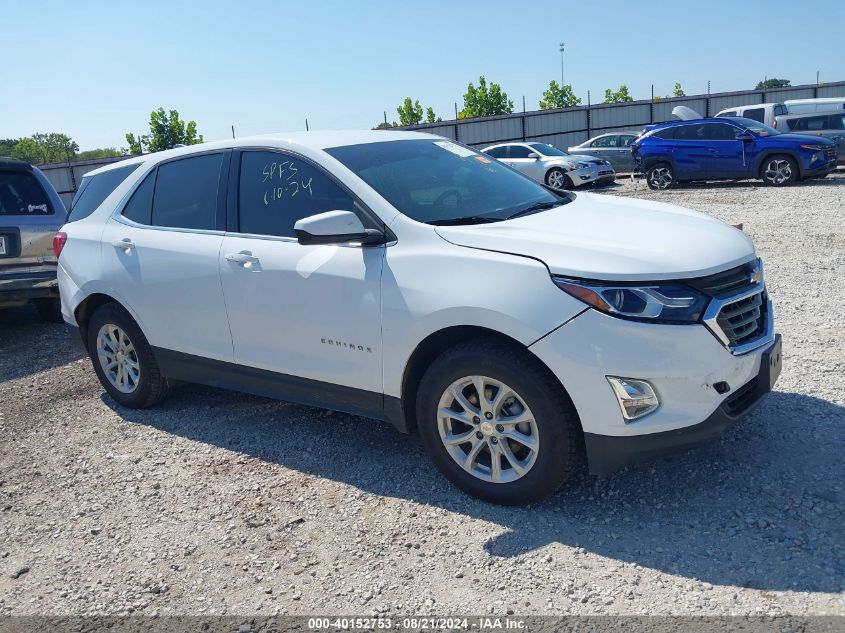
(572,126)
(67,176)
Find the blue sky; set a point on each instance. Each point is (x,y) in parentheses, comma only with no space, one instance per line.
(95,70)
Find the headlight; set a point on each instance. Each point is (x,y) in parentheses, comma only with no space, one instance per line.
(570,166)
(815,148)
(658,302)
(582,165)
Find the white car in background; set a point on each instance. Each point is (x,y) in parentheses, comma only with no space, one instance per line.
(557,169)
(405,277)
(760,112)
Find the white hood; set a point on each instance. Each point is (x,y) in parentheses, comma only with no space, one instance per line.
(616,239)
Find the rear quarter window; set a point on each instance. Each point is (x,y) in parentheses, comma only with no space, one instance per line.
(21,194)
(95,189)
(666,134)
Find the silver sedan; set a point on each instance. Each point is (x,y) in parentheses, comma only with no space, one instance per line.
(552,166)
(614,147)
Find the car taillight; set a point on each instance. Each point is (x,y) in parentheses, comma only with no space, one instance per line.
(775,124)
(59,240)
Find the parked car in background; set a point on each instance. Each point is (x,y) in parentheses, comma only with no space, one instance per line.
(808,106)
(405,277)
(547,164)
(727,149)
(830,125)
(614,148)
(760,112)
(30,214)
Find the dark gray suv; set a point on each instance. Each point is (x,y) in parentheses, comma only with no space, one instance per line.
(30,214)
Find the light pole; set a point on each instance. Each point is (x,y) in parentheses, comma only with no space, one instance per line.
(562,47)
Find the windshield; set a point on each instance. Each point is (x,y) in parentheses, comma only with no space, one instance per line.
(758,128)
(548,150)
(441,182)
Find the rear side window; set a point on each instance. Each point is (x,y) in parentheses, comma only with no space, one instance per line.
(186,193)
(518,151)
(95,189)
(690,132)
(22,194)
(498,152)
(605,141)
(625,140)
(666,134)
(758,114)
(728,113)
(837,122)
(780,109)
(140,206)
(810,124)
(276,189)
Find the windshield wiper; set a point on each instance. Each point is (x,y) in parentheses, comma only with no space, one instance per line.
(470,219)
(534,208)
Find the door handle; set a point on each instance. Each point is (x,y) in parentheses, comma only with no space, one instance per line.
(125,244)
(244,258)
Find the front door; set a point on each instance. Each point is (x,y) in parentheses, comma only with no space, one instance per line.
(305,312)
(160,256)
(729,158)
(518,158)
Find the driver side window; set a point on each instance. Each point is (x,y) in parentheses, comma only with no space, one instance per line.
(276,189)
(519,151)
(605,141)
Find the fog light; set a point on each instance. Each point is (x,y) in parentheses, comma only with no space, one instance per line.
(636,397)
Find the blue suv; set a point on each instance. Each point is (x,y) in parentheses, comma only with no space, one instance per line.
(729,148)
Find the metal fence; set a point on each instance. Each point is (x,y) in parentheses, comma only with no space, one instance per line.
(67,176)
(565,127)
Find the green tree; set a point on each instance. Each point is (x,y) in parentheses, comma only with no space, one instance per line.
(100,152)
(771,83)
(410,112)
(384,125)
(7,145)
(167,130)
(619,96)
(679,92)
(558,96)
(43,148)
(484,101)
(430,117)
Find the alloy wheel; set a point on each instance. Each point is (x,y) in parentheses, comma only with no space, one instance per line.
(488,429)
(778,171)
(118,358)
(661,177)
(556,179)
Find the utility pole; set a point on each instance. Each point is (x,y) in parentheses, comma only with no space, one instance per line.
(233,131)
(817,77)
(306,124)
(562,47)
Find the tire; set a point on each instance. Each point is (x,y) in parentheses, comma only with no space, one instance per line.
(554,428)
(660,176)
(49,310)
(148,386)
(779,170)
(556,178)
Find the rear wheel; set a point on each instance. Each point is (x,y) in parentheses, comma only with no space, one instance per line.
(779,171)
(556,178)
(496,424)
(123,359)
(660,176)
(49,310)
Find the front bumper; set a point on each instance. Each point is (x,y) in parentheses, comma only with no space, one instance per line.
(819,169)
(685,364)
(18,288)
(608,453)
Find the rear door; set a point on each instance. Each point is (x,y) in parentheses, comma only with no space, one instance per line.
(605,147)
(691,152)
(836,133)
(161,255)
(624,160)
(308,312)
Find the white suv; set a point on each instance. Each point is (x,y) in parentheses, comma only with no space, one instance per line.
(407,278)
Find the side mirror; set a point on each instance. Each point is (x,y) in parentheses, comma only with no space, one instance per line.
(533,156)
(745,136)
(335,227)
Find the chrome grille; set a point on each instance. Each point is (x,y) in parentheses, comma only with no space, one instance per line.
(605,172)
(739,313)
(744,320)
(830,152)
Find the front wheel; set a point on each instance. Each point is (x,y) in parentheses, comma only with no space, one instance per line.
(779,171)
(556,178)
(660,176)
(496,424)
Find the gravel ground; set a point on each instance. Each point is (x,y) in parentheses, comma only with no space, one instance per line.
(221,503)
